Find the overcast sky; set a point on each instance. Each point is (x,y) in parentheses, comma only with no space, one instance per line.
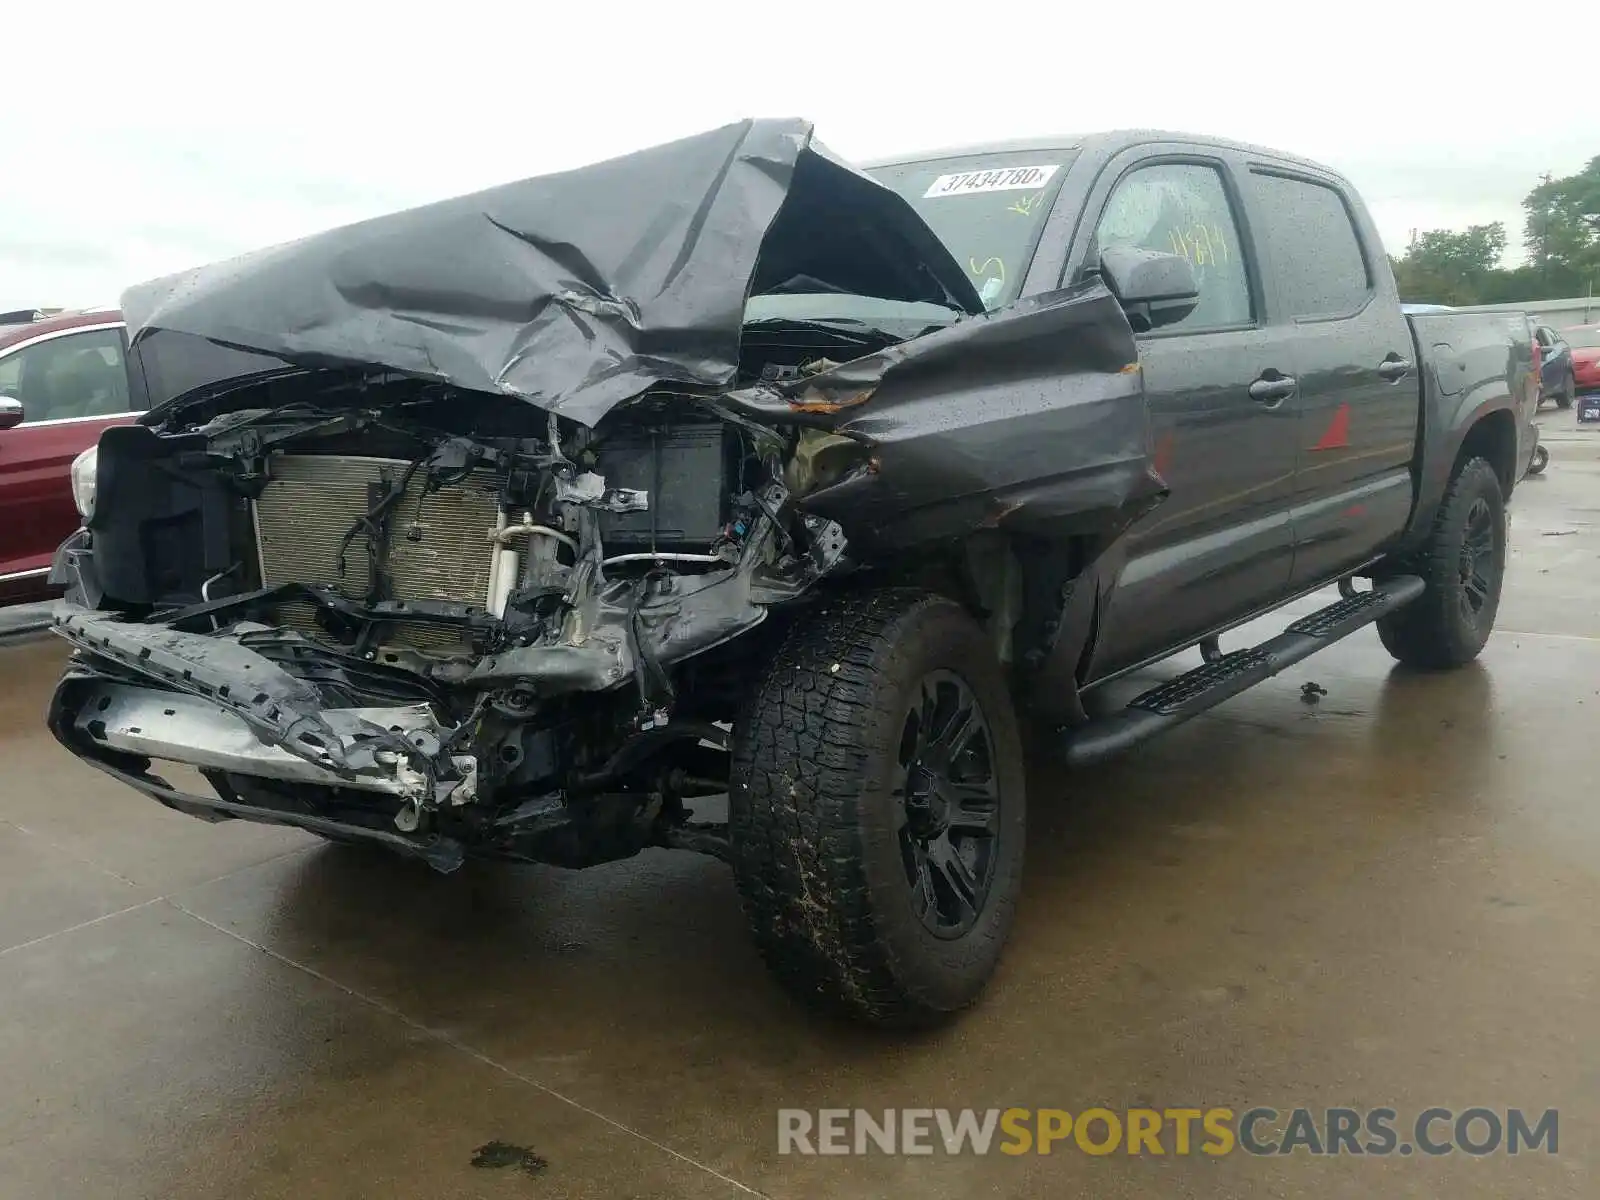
(141,139)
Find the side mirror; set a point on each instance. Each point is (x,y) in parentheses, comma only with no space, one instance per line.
(10,411)
(1154,289)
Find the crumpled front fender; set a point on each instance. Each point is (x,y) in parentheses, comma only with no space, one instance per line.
(1031,418)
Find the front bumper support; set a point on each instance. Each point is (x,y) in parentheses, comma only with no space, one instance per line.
(216,703)
(179,728)
(75,711)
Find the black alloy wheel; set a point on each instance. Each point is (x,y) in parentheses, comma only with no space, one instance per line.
(947,804)
(1477,560)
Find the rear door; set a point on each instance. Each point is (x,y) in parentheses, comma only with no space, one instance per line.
(1221,392)
(72,384)
(1353,356)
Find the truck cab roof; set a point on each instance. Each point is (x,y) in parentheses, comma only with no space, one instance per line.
(1096,145)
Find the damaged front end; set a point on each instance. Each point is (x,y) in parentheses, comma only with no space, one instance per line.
(358,621)
(463,530)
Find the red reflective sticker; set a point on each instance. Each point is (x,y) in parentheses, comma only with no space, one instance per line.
(1162,459)
(1337,436)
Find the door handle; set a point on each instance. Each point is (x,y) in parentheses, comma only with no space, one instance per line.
(1272,391)
(1394,369)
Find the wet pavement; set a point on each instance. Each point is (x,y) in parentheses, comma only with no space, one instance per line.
(1387,898)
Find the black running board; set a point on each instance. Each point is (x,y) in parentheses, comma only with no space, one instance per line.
(1223,678)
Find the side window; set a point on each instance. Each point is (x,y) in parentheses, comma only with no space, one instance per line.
(1182,208)
(77,375)
(1313,246)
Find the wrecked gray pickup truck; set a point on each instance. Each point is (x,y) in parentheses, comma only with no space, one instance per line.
(526,525)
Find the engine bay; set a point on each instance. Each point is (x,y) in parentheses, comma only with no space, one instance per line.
(411,521)
(446,607)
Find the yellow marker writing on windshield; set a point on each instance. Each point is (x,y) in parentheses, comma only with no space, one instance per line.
(981,270)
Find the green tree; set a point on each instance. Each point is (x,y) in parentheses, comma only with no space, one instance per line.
(1562,231)
(1443,266)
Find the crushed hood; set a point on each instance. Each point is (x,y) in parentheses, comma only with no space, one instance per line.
(574,292)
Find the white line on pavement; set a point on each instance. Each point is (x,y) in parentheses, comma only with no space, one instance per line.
(45,937)
(471,1052)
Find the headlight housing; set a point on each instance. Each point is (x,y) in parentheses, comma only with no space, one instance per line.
(84,469)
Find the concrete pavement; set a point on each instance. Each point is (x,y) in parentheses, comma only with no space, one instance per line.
(1387,898)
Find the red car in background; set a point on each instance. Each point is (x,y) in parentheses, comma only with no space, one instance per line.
(63,379)
(1585,343)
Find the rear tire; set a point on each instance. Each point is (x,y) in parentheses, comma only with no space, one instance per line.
(1541,460)
(1564,397)
(876,809)
(1463,564)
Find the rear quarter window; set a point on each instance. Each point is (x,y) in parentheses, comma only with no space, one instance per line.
(1312,246)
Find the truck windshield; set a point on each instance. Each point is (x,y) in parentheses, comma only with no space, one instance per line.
(987,209)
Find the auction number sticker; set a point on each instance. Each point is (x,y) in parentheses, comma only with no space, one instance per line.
(1001,179)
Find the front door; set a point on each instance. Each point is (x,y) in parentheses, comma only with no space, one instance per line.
(1224,413)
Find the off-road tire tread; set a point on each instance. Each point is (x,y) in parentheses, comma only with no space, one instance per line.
(1430,632)
(802,751)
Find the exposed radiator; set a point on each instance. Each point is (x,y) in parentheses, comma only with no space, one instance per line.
(439,544)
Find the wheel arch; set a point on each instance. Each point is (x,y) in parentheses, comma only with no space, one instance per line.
(1446,442)
(1038,597)
(1493,438)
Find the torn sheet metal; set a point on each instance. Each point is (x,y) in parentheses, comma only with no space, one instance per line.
(1031,419)
(172,726)
(574,291)
(278,708)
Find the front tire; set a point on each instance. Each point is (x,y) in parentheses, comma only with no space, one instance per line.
(1463,564)
(876,809)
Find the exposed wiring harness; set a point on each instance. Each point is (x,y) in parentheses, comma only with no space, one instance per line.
(372,524)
